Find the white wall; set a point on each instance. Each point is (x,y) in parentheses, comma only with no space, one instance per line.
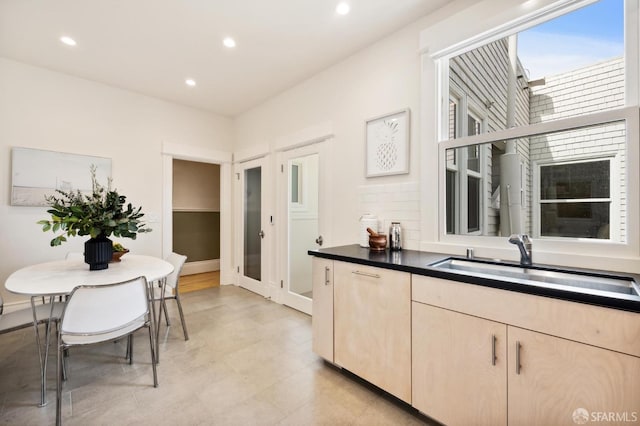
(381,79)
(48,110)
(384,77)
(196,186)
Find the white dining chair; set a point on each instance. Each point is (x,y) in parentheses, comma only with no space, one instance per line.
(44,313)
(171,285)
(101,313)
(23,318)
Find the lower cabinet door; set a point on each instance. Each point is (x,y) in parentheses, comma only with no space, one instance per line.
(372,308)
(322,311)
(553,381)
(459,367)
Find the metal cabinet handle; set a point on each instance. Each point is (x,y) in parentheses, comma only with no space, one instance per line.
(319,240)
(494,339)
(261,234)
(518,366)
(326,275)
(366,274)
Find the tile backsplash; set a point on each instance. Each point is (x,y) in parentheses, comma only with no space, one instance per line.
(396,202)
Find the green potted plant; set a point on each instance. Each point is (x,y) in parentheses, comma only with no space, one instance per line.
(99,215)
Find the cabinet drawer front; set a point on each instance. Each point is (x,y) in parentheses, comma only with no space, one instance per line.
(607,328)
(372,309)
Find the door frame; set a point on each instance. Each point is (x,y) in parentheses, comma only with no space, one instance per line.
(171,151)
(321,148)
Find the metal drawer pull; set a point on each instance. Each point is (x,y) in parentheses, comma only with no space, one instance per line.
(493,349)
(518,366)
(366,274)
(326,275)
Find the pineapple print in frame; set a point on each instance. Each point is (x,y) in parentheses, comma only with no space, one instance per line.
(387,152)
(387,144)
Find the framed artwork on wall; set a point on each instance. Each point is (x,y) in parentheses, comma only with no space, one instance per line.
(387,144)
(37,173)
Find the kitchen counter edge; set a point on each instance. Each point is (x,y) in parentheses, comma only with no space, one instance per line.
(417,262)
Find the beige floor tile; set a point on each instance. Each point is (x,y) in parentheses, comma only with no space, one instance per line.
(248,362)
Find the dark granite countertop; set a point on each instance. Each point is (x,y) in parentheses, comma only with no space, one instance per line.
(418,262)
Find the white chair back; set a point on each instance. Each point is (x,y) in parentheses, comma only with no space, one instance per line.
(104,309)
(177,260)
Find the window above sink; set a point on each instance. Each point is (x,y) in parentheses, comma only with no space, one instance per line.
(552,154)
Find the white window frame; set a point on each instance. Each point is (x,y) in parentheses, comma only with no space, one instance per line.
(454,168)
(629,114)
(613,199)
(465,109)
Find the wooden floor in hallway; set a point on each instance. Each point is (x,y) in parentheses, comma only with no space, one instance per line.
(201,281)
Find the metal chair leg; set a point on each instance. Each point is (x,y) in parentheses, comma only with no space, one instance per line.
(59,367)
(184,324)
(153,358)
(65,354)
(166,314)
(130,348)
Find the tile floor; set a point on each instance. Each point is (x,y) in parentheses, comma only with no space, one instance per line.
(248,362)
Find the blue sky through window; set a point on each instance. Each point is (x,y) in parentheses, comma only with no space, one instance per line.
(586,36)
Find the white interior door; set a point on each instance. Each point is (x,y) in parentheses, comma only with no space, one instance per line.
(301,191)
(251,226)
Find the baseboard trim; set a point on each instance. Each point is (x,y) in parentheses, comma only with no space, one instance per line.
(18,305)
(200,266)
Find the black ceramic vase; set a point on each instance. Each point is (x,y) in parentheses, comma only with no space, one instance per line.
(98,252)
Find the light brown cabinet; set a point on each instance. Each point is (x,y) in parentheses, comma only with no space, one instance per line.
(459,367)
(467,354)
(551,378)
(322,318)
(372,325)
(548,379)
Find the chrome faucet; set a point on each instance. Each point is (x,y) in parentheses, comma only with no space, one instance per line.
(524,245)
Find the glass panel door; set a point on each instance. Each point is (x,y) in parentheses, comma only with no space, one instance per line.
(250,226)
(253,223)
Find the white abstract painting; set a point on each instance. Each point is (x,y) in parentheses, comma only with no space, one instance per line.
(37,173)
(387,144)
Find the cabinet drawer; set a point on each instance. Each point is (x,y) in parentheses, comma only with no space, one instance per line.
(607,328)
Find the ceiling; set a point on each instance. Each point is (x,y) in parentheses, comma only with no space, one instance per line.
(152,46)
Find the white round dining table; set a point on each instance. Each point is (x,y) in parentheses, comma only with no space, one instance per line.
(62,276)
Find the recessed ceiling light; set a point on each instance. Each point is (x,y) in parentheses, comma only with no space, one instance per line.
(229,42)
(190,82)
(343,8)
(68,41)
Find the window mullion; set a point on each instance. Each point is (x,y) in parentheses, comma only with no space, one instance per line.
(539,129)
